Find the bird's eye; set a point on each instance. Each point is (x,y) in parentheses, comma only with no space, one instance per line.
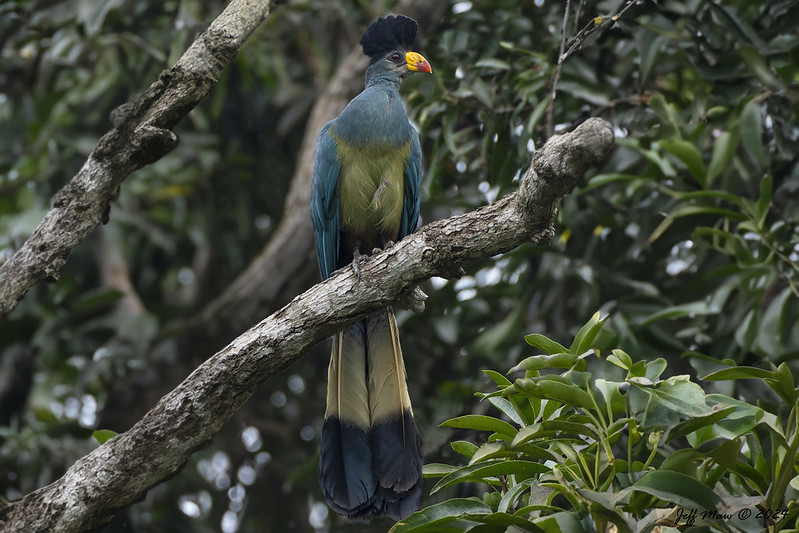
(395,56)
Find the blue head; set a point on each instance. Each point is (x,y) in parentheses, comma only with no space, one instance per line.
(388,42)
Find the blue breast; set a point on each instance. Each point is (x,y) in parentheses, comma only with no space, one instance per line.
(376,117)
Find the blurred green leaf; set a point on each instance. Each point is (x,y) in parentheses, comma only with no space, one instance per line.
(667,115)
(724,149)
(691,210)
(763,202)
(752,132)
(103,435)
(756,62)
(690,157)
(493,63)
(95,299)
(691,309)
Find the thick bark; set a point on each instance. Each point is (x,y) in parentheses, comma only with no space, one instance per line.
(120,472)
(141,134)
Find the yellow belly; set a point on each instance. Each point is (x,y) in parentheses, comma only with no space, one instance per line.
(371,189)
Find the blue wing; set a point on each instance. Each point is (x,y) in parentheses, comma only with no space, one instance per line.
(325,211)
(413,181)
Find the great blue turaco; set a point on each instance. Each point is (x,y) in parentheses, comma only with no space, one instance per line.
(365,195)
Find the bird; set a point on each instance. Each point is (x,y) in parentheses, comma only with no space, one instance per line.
(365,195)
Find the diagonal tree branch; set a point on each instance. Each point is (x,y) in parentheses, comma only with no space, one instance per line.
(141,134)
(121,471)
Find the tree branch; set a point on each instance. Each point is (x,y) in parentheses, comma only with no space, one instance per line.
(141,134)
(121,471)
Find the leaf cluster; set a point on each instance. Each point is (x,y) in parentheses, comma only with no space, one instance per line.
(571,452)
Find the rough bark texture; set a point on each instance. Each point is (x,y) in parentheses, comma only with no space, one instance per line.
(120,472)
(141,134)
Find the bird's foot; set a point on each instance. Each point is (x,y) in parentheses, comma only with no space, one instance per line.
(357,259)
(387,245)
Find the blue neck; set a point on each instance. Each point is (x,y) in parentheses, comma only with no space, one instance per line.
(378,74)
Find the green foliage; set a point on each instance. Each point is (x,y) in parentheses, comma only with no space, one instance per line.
(686,239)
(103,435)
(687,233)
(570,452)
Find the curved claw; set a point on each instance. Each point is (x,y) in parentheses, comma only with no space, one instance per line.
(357,258)
(387,245)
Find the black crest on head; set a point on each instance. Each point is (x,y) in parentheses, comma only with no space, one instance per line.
(388,34)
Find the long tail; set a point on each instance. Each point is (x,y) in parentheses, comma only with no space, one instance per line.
(394,440)
(371,461)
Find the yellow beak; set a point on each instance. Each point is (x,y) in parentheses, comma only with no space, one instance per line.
(417,63)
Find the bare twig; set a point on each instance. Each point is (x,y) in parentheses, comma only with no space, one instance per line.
(554,90)
(574,44)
